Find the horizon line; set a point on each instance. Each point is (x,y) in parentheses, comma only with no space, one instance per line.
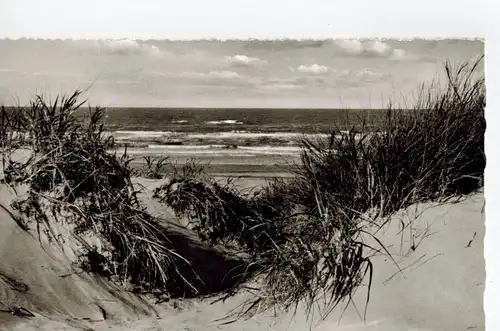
(85,105)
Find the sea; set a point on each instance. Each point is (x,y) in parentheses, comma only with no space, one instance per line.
(242,142)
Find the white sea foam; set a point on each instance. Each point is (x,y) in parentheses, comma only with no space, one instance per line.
(224,122)
(180,122)
(215,150)
(246,134)
(185,147)
(233,135)
(140,134)
(280,149)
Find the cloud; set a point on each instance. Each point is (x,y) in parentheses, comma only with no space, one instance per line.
(370,76)
(369,48)
(224,75)
(274,87)
(233,79)
(283,44)
(280,84)
(315,69)
(368,73)
(353,78)
(378,47)
(350,46)
(244,61)
(342,72)
(398,54)
(220,77)
(122,47)
(295,83)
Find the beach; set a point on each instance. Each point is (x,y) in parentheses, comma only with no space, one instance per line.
(440,288)
(242,185)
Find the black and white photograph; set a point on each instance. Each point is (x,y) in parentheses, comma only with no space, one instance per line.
(153,179)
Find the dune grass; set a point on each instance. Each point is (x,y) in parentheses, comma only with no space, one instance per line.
(305,237)
(154,168)
(73,177)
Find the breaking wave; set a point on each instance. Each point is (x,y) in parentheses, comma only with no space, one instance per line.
(223,122)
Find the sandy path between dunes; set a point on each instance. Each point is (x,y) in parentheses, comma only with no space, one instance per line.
(441,289)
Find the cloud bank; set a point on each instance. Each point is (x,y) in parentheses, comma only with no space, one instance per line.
(244,61)
(221,74)
(369,48)
(314,69)
(122,47)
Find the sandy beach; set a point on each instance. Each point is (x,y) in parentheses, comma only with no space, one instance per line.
(440,288)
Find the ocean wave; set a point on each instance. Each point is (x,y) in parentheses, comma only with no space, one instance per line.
(223,122)
(227,139)
(180,122)
(223,134)
(185,147)
(215,150)
(140,134)
(291,149)
(257,149)
(247,134)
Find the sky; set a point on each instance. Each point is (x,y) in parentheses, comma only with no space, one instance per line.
(333,73)
(132,71)
(197,19)
(122,50)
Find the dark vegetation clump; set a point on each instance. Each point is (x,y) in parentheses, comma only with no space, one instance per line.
(432,152)
(154,168)
(306,236)
(73,175)
(298,254)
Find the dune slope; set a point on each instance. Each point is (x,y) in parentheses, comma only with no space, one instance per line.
(440,288)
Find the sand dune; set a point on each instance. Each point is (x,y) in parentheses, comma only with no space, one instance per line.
(441,286)
(39,277)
